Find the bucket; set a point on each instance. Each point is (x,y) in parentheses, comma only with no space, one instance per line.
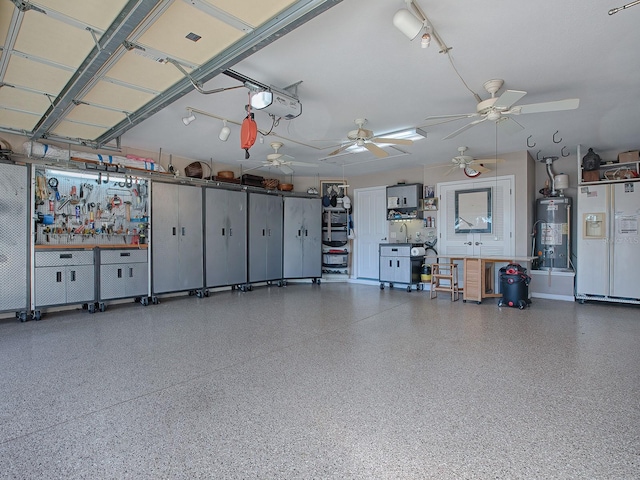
(425,273)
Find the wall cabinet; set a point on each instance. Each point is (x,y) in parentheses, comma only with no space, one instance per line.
(123,274)
(177,239)
(64,277)
(403,201)
(265,238)
(225,237)
(302,238)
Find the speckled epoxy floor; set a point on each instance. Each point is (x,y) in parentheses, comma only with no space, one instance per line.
(330,381)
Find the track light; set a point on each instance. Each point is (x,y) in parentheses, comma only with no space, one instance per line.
(225,132)
(188,119)
(407,23)
(426,40)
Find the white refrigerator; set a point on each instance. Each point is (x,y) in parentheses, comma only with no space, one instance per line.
(608,244)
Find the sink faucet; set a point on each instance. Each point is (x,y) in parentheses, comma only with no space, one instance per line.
(406,232)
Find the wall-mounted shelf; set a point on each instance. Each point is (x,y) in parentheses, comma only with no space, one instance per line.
(609,171)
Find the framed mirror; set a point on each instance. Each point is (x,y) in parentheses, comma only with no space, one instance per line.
(473,211)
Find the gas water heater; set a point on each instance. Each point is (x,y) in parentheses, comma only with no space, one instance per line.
(553,229)
(552,233)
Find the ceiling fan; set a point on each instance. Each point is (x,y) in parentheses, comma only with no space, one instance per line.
(365,138)
(281,161)
(470,166)
(499,109)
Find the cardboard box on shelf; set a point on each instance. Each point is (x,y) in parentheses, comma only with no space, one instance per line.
(590,175)
(630,156)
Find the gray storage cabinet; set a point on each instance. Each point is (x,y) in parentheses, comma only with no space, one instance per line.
(64,277)
(265,238)
(302,257)
(398,266)
(14,239)
(176,238)
(225,238)
(123,274)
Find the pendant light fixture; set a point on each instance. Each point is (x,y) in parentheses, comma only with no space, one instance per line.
(225,132)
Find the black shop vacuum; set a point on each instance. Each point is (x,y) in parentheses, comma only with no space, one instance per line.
(514,285)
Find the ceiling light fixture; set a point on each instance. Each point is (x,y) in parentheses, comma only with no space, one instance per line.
(412,20)
(225,132)
(189,118)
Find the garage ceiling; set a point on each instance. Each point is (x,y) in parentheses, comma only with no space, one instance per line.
(81,71)
(348,62)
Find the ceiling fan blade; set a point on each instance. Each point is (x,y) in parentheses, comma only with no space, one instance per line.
(486,160)
(393,141)
(341,149)
(508,98)
(466,127)
(454,116)
(566,104)
(376,150)
(303,164)
(509,125)
(479,168)
(287,170)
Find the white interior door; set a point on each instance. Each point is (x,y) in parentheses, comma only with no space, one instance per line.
(500,241)
(370,222)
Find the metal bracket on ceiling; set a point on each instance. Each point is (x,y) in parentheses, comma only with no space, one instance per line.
(26,6)
(198,85)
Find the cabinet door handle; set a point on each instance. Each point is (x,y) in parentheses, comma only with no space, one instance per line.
(73,275)
(391,263)
(125,254)
(263,232)
(66,255)
(174,231)
(306,233)
(119,273)
(58,277)
(223,231)
(130,272)
(398,263)
(299,233)
(183,231)
(230,232)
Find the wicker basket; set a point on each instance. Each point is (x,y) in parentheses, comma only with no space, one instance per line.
(270,183)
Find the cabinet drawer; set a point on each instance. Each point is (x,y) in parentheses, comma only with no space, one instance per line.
(58,258)
(393,251)
(122,256)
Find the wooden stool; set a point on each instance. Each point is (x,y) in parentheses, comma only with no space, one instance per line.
(447,273)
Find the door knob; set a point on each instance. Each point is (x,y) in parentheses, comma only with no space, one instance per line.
(478,243)
(467,243)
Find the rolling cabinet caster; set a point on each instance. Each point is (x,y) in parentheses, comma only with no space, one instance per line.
(500,303)
(250,287)
(318,281)
(382,286)
(192,293)
(280,283)
(22,316)
(408,288)
(478,302)
(464,301)
(144,301)
(91,307)
(36,315)
(199,294)
(155,300)
(102,307)
(391,285)
(243,288)
(206,293)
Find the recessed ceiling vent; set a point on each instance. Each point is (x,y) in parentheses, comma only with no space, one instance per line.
(193,37)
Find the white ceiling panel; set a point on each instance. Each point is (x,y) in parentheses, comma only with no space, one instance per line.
(6,11)
(168,34)
(18,120)
(253,12)
(48,38)
(98,13)
(69,129)
(137,70)
(116,96)
(95,115)
(24,100)
(36,75)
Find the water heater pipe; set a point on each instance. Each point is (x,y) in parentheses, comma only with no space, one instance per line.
(549,161)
